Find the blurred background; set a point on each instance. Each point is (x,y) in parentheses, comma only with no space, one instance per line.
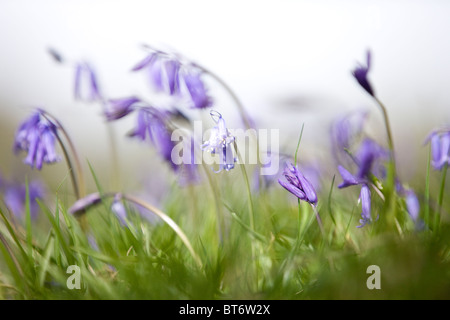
(290,63)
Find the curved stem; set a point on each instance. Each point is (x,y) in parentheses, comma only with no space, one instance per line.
(78,183)
(167,220)
(239,104)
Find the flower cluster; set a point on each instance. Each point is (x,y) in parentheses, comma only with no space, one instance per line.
(37,136)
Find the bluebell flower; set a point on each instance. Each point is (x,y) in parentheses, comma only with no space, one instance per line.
(360,74)
(171,74)
(152,126)
(15,197)
(440,148)
(85,203)
(366,203)
(37,136)
(221,142)
(297,184)
(119,108)
(86,85)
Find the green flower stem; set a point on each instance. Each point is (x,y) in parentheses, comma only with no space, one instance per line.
(76,172)
(441,196)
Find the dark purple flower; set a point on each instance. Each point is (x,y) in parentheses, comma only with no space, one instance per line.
(360,74)
(119,108)
(297,184)
(15,196)
(221,142)
(85,203)
(197,90)
(151,124)
(440,148)
(37,136)
(86,85)
(365,199)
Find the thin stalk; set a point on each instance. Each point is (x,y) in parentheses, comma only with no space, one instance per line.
(78,180)
(319,220)
(427,189)
(441,196)
(239,105)
(169,222)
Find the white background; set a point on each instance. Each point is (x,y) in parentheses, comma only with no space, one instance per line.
(290,63)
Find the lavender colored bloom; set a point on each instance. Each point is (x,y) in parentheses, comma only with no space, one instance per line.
(86,85)
(119,108)
(37,136)
(169,74)
(367,157)
(440,148)
(346,129)
(297,184)
(85,203)
(220,142)
(412,205)
(360,74)
(365,199)
(151,123)
(15,196)
(197,91)
(119,210)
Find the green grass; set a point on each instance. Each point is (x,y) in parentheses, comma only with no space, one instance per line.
(147,260)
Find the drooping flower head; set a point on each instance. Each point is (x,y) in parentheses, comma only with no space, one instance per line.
(360,74)
(86,85)
(221,142)
(297,184)
(37,136)
(440,148)
(119,108)
(176,76)
(152,126)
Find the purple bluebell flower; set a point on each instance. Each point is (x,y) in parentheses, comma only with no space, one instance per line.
(86,85)
(369,156)
(197,90)
(365,199)
(15,196)
(119,108)
(37,135)
(221,142)
(440,148)
(85,203)
(297,184)
(360,74)
(152,125)
(175,76)
(412,205)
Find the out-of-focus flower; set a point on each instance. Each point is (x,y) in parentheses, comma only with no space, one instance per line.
(369,156)
(86,85)
(412,205)
(15,196)
(172,75)
(440,148)
(365,199)
(298,185)
(85,203)
(360,74)
(346,129)
(119,108)
(151,123)
(37,136)
(119,210)
(221,142)
(197,90)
